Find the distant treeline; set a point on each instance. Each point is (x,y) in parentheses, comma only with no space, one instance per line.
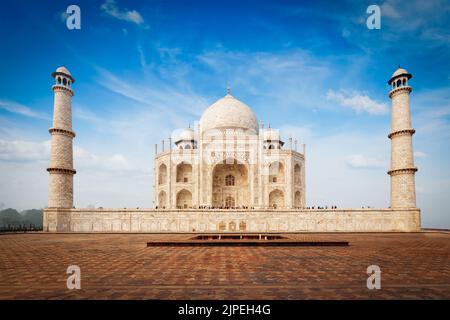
(12,218)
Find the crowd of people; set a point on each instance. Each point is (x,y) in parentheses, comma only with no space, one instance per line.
(20,228)
(252,208)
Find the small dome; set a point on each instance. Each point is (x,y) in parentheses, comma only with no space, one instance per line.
(186,135)
(228,112)
(272,135)
(63,71)
(399,72)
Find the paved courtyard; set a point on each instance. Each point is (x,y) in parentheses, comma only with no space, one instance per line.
(120,266)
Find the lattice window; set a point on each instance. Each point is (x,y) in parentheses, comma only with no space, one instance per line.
(229,180)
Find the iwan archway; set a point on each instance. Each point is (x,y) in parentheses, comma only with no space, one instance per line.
(230,185)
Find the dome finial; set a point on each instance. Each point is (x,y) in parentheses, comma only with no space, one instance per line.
(228,89)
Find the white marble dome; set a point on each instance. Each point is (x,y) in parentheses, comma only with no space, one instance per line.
(399,71)
(272,135)
(63,70)
(186,135)
(228,112)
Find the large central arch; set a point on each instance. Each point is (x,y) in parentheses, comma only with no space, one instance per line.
(230,185)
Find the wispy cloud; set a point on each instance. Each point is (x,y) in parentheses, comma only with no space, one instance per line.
(345,168)
(20,150)
(18,108)
(431,114)
(83,113)
(111,8)
(420,154)
(359,161)
(101,176)
(357,101)
(289,80)
(415,15)
(116,162)
(157,95)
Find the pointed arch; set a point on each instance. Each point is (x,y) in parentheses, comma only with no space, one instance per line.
(276,172)
(162,200)
(184,172)
(297,199)
(184,199)
(230,178)
(297,174)
(162,174)
(276,199)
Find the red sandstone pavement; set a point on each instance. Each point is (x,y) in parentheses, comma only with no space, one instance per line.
(120,266)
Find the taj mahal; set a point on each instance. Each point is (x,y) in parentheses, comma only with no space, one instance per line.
(230,174)
(230,163)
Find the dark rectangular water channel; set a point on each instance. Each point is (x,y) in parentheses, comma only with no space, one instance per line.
(228,240)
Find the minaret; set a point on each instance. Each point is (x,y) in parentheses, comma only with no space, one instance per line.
(403,191)
(60,193)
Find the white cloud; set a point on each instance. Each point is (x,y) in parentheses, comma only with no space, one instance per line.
(115,162)
(18,108)
(420,154)
(331,180)
(103,178)
(357,101)
(19,150)
(430,115)
(359,161)
(110,7)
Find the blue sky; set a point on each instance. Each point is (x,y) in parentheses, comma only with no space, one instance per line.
(143,69)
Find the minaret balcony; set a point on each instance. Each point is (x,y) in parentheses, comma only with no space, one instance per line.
(62,131)
(400,89)
(62,170)
(401,133)
(394,172)
(56,87)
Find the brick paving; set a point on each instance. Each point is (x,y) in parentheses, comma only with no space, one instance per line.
(121,266)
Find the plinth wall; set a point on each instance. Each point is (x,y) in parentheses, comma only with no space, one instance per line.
(214,221)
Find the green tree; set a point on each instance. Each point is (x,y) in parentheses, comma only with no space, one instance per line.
(33,216)
(10,217)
